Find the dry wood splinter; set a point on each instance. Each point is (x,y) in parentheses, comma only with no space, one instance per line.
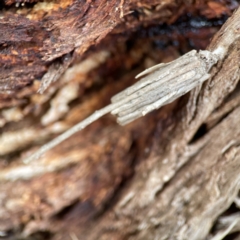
(162,84)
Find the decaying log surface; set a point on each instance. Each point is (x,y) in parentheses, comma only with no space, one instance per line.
(173,174)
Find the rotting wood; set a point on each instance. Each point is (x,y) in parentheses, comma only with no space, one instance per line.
(33,42)
(76,190)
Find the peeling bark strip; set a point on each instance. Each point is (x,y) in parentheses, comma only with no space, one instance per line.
(34,40)
(165,83)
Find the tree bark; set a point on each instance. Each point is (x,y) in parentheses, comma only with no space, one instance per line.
(173,174)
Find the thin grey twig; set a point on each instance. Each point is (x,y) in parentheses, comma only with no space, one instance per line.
(78,127)
(163,84)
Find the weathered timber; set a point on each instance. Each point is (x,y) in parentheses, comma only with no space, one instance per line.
(169,175)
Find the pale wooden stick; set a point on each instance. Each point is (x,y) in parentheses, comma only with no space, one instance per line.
(78,127)
(164,84)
